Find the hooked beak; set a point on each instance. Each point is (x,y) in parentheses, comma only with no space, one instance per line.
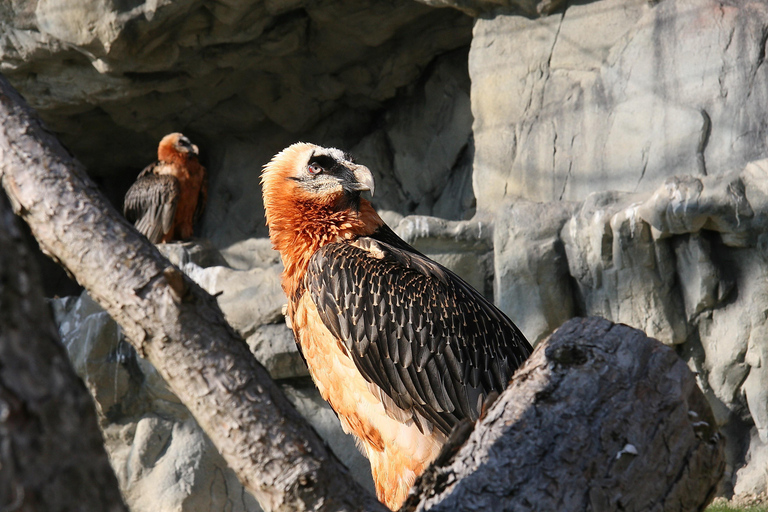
(363,179)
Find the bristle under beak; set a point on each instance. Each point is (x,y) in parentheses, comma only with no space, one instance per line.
(363,179)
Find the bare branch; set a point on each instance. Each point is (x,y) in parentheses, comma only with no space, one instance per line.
(600,417)
(52,454)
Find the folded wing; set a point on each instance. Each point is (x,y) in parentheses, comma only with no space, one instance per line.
(150,204)
(431,342)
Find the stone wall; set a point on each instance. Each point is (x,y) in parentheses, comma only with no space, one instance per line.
(567,158)
(616,95)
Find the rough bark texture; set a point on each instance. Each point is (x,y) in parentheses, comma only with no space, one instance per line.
(600,418)
(172,322)
(52,456)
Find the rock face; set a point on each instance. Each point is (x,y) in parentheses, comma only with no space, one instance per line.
(686,264)
(244,79)
(631,123)
(604,158)
(616,95)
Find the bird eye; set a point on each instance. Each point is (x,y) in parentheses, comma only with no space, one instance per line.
(314,168)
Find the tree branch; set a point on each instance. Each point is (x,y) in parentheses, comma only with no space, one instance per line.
(172,322)
(52,454)
(600,417)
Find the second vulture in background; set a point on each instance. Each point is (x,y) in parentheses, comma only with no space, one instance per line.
(401,347)
(169,195)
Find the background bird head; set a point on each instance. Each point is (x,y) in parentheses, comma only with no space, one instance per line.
(312,174)
(175,147)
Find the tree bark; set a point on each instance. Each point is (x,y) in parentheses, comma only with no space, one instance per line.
(600,418)
(172,322)
(52,455)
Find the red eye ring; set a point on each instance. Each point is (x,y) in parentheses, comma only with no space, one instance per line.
(314,168)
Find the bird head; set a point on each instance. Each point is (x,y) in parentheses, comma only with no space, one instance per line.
(311,198)
(175,146)
(312,173)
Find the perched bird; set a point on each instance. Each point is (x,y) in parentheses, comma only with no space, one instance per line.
(401,348)
(169,195)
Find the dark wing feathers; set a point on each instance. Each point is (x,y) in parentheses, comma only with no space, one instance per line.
(202,199)
(150,203)
(430,341)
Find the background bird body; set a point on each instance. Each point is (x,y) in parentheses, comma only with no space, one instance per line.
(400,347)
(169,195)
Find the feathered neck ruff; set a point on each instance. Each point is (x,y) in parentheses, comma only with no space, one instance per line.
(301,222)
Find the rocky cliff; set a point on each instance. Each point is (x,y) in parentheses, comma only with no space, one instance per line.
(580,158)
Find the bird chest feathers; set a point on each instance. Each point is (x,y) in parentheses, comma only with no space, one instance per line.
(394,444)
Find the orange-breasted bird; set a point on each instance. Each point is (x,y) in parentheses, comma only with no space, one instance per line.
(400,347)
(169,195)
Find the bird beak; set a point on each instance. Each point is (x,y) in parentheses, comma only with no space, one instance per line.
(363,178)
(195,150)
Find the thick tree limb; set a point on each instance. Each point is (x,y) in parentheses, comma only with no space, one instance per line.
(172,322)
(599,418)
(52,455)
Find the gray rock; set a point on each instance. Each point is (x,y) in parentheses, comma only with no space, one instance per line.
(248,298)
(751,478)
(429,132)
(251,253)
(93,341)
(252,302)
(169,464)
(620,272)
(532,284)
(200,252)
(703,284)
(464,247)
(686,263)
(639,93)
(687,204)
(162,458)
(275,347)
(114,77)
